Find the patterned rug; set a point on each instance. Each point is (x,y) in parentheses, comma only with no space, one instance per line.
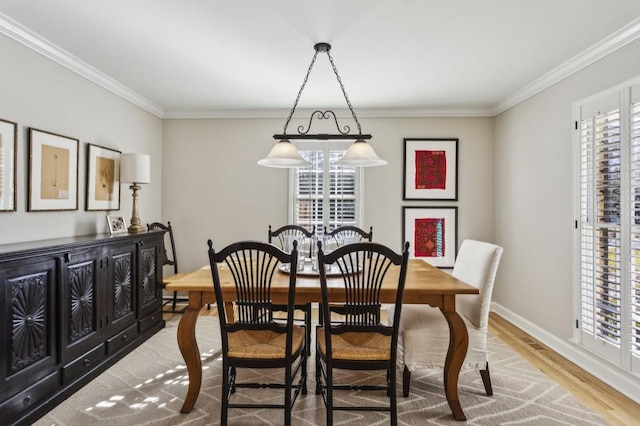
(148,386)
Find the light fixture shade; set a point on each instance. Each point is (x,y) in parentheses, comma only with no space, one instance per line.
(135,168)
(361,154)
(283,154)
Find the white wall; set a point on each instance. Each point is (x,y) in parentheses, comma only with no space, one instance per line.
(37,92)
(534,204)
(213,188)
(534,208)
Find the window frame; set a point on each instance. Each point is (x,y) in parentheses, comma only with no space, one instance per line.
(325,146)
(621,97)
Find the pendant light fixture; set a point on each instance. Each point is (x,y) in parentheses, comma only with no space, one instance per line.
(285,154)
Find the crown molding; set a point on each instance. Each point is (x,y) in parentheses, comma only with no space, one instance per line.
(615,41)
(17,32)
(343,113)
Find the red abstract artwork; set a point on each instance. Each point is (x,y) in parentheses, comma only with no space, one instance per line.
(431,169)
(429,237)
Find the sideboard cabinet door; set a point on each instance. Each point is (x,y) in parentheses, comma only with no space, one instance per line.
(150,273)
(121,287)
(27,323)
(81,302)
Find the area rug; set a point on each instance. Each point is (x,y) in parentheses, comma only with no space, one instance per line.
(148,386)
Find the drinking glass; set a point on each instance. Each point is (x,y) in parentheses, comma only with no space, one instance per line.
(329,244)
(287,246)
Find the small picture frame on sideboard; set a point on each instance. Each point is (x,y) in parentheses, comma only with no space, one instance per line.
(117,224)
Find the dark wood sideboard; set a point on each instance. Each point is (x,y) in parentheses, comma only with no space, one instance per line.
(69,309)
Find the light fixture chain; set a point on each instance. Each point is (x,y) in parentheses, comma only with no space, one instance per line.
(344,92)
(304,83)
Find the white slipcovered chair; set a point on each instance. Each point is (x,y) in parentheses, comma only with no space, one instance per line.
(424,330)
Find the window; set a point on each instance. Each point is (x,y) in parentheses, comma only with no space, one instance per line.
(608,225)
(324,193)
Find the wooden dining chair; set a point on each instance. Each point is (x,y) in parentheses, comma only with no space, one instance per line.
(284,235)
(251,338)
(424,330)
(169,261)
(348,234)
(352,336)
(294,232)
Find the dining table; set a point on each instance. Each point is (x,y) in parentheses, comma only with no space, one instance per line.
(425,284)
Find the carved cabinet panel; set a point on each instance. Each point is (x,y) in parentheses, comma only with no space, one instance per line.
(81,302)
(120,287)
(150,287)
(27,323)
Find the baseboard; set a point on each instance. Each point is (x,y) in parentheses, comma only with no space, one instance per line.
(623,381)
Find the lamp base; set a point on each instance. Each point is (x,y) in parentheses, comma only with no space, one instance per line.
(135,226)
(134,229)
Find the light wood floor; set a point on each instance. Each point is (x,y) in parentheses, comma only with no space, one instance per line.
(600,397)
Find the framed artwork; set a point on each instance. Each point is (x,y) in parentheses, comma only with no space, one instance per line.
(103,178)
(117,224)
(8,163)
(432,233)
(430,169)
(53,172)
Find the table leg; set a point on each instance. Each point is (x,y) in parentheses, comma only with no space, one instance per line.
(458,343)
(189,349)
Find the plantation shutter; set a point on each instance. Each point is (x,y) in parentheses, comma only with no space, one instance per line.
(342,193)
(634,270)
(600,233)
(309,189)
(609,226)
(324,193)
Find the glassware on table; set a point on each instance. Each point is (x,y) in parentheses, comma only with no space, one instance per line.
(287,246)
(287,243)
(329,244)
(349,240)
(308,252)
(302,253)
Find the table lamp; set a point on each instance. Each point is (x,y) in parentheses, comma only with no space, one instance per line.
(135,169)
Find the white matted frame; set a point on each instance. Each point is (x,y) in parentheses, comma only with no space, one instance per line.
(432,233)
(53,171)
(8,163)
(103,178)
(430,169)
(117,224)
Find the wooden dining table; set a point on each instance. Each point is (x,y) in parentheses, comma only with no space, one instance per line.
(425,284)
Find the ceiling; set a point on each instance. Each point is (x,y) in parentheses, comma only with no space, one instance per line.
(193,58)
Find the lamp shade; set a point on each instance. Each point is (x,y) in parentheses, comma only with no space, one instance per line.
(135,168)
(283,154)
(361,154)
